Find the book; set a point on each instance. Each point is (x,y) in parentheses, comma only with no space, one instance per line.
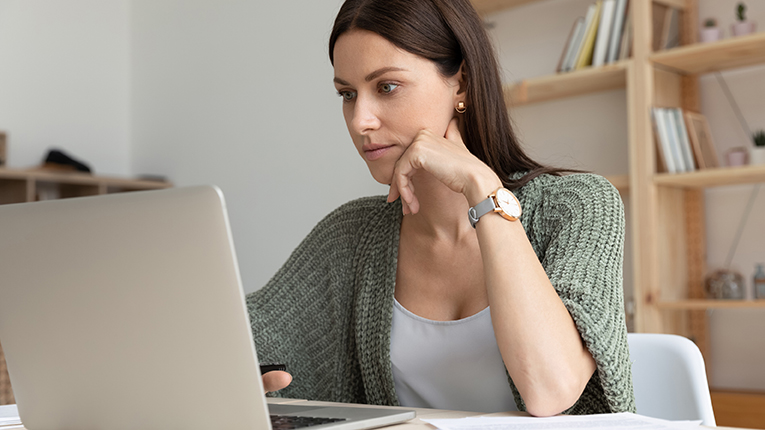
(625,48)
(620,15)
(604,32)
(662,141)
(588,43)
(573,41)
(674,140)
(659,15)
(671,35)
(571,63)
(685,143)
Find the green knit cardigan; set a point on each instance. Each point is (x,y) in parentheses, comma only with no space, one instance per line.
(327,312)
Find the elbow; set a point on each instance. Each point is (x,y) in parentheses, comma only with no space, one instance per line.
(552,400)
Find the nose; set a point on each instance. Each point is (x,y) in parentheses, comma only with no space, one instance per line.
(365,117)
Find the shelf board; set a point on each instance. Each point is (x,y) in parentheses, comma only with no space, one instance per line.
(78,178)
(701,304)
(485,7)
(713,56)
(717,177)
(562,85)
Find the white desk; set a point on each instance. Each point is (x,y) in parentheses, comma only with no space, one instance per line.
(415,424)
(418,424)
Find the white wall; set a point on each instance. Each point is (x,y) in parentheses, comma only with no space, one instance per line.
(64,81)
(239,93)
(590,132)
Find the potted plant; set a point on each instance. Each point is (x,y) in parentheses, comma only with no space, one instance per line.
(742,26)
(710,32)
(757,155)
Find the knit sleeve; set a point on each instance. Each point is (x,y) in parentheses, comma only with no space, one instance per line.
(580,230)
(302,316)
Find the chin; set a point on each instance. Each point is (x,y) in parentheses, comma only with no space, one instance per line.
(382,176)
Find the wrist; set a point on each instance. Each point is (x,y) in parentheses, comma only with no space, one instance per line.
(481,187)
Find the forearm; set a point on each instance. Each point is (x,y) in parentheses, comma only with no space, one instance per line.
(539,342)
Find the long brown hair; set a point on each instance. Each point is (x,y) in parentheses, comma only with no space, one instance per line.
(449,32)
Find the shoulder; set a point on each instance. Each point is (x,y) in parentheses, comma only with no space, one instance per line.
(360,212)
(344,227)
(582,195)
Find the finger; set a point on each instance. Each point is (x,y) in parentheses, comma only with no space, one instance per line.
(414,206)
(393,193)
(276,380)
(453,131)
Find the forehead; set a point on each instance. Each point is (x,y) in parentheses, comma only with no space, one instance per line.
(360,52)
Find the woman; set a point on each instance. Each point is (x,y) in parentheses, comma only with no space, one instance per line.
(407,300)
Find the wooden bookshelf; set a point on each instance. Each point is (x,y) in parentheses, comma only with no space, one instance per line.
(703,304)
(714,56)
(586,81)
(20,186)
(708,178)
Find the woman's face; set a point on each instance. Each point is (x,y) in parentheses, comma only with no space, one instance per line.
(388,96)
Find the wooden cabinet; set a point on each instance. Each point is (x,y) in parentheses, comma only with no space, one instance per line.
(20,186)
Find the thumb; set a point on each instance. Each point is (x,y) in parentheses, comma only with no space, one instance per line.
(453,131)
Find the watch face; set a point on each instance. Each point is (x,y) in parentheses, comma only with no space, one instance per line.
(508,203)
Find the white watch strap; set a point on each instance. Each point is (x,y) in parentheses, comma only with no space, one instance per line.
(481,209)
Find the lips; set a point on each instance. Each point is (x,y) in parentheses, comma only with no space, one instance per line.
(373,151)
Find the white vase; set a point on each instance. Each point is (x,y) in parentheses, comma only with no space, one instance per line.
(757,155)
(710,34)
(741,28)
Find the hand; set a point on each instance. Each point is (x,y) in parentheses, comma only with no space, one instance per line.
(276,380)
(449,161)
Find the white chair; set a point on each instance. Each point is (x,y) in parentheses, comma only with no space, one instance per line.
(669,378)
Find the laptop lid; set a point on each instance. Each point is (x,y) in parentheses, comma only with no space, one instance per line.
(126,311)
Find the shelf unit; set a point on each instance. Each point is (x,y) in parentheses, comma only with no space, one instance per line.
(667,210)
(664,78)
(23,186)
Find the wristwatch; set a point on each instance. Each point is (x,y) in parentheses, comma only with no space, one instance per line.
(501,201)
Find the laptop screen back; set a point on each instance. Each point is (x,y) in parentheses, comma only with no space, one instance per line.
(126,311)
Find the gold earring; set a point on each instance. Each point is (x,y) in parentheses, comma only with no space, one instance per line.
(461,108)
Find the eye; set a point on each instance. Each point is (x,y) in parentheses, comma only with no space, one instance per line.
(347,96)
(388,88)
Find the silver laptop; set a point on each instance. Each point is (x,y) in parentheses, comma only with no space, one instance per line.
(126,311)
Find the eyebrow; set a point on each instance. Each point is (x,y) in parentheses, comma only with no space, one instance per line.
(376,74)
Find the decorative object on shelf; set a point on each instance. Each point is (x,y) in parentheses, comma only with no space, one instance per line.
(711,32)
(759,282)
(737,156)
(757,154)
(701,140)
(742,27)
(58,160)
(3,148)
(725,284)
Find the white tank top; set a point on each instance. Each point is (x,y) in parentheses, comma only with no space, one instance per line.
(453,365)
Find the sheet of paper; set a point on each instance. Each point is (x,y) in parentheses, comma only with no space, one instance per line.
(625,421)
(9,415)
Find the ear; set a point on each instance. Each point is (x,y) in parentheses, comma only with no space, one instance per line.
(459,81)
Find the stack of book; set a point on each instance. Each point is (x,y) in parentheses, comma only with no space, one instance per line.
(604,36)
(675,152)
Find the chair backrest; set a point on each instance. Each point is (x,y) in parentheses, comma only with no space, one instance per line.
(669,378)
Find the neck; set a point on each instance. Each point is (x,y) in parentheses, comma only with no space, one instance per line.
(442,214)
